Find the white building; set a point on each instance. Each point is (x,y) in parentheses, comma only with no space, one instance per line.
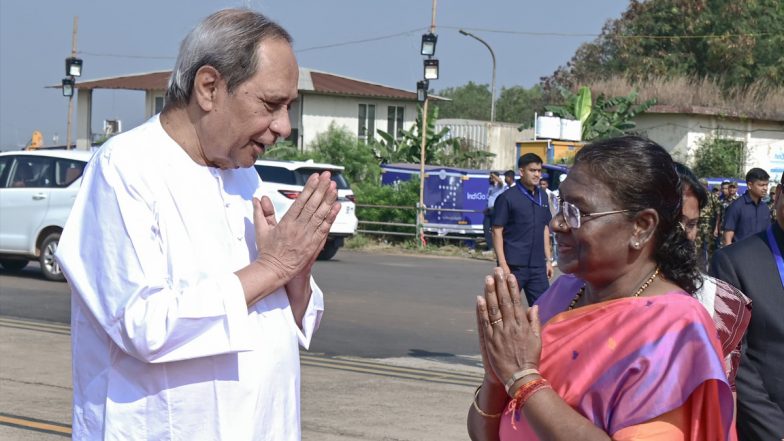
(679,129)
(499,138)
(360,106)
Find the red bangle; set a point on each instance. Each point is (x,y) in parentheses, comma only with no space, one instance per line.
(530,392)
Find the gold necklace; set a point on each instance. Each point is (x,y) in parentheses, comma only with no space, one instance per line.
(642,288)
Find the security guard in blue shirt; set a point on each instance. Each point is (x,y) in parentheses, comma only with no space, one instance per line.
(748,215)
(520,230)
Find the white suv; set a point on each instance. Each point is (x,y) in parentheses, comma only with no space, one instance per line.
(282,182)
(37,191)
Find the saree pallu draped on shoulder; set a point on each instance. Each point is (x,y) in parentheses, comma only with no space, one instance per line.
(632,362)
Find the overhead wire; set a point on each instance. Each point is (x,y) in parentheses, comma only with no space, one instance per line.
(150,57)
(326,46)
(496,31)
(364,40)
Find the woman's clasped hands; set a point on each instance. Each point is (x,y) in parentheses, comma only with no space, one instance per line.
(509,332)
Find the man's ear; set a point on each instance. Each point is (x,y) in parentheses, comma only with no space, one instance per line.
(645,224)
(205,87)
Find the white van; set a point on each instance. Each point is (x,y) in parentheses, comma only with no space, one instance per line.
(37,191)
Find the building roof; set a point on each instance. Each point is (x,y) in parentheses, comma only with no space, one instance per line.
(715,111)
(141,81)
(338,85)
(310,81)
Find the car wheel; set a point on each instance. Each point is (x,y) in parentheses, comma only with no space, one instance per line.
(49,265)
(330,249)
(13,264)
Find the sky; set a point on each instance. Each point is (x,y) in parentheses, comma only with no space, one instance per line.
(372,40)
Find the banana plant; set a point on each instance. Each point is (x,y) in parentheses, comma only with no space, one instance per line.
(406,146)
(606,117)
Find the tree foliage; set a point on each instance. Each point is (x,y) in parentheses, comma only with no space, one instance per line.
(717,155)
(285,151)
(339,146)
(737,42)
(518,105)
(335,146)
(471,101)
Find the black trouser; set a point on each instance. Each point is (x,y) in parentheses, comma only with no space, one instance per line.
(531,280)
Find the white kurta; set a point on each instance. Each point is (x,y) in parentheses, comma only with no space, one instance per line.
(164,346)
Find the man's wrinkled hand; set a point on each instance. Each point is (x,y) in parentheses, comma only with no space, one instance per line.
(289,247)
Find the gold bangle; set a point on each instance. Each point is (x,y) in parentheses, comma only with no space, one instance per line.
(480,411)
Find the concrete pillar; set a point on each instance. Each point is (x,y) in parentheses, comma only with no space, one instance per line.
(84,118)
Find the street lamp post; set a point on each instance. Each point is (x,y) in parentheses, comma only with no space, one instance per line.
(492,86)
(73,68)
(431,73)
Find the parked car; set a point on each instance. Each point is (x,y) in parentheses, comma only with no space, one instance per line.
(37,191)
(283,181)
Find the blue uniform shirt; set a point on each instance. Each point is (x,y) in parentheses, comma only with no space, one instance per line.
(523,217)
(746,218)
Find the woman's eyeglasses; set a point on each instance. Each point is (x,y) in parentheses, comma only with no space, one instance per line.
(573,216)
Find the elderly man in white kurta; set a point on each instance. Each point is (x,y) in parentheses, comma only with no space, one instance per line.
(188,299)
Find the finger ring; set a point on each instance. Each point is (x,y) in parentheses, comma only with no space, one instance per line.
(495,322)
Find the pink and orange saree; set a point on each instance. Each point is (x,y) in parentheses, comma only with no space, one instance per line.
(645,368)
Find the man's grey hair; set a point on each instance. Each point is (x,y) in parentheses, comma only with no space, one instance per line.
(226,40)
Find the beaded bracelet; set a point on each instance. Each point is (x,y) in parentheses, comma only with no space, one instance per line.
(530,392)
(523,394)
(526,391)
(480,411)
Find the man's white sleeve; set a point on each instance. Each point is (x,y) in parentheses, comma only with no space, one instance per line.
(114,258)
(312,317)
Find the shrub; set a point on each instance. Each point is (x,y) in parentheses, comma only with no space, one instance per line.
(335,146)
(339,146)
(717,155)
(403,194)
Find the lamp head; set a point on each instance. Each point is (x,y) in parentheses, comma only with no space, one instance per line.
(68,86)
(422,87)
(73,67)
(429,41)
(431,69)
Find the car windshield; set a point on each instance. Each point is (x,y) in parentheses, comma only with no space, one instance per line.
(281,175)
(304,173)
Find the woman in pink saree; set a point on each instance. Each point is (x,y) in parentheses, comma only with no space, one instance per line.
(618,348)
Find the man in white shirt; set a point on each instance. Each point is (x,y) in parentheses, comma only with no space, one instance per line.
(188,299)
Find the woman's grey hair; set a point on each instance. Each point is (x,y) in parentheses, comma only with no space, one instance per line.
(226,40)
